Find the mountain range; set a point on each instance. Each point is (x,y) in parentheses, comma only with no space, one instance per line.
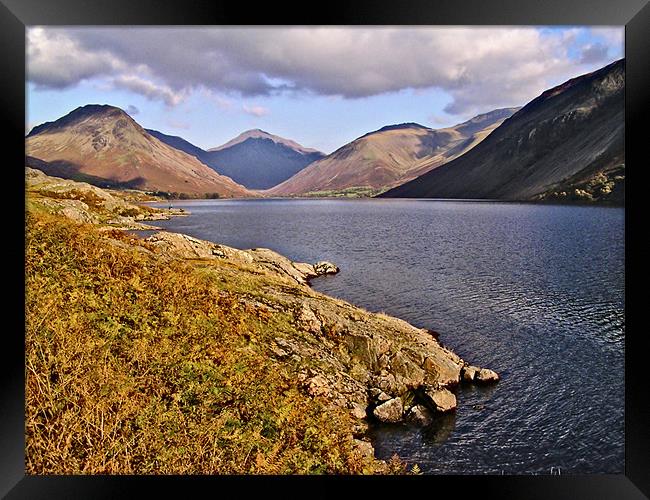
(391,156)
(568,143)
(104,145)
(255,159)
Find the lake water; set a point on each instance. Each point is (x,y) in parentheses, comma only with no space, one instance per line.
(534,292)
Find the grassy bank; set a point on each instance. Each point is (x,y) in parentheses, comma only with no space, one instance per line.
(140,365)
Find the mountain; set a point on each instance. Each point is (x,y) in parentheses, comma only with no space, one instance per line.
(256,133)
(104,145)
(390,156)
(568,143)
(178,142)
(255,158)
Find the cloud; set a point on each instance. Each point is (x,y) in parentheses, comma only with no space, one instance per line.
(594,53)
(479,67)
(148,89)
(132,110)
(255,110)
(55,60)
(613,36)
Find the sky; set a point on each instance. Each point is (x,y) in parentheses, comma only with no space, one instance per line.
(320,86)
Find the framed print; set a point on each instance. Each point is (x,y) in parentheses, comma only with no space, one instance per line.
(273,249)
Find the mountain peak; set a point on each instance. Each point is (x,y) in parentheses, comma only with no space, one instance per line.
(105,145)
(257,133)
(399,126)
(484,120)
(79,114)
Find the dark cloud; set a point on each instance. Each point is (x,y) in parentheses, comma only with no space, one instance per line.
(132,110)
(148,89)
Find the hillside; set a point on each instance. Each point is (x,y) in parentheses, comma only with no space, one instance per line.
(566,144)
(104,145)
(171,355)
(390,156)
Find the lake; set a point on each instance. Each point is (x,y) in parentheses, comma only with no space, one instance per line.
(535,292)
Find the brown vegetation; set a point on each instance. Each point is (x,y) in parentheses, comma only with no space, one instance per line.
(138,366)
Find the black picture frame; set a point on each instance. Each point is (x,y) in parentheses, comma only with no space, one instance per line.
(15,15)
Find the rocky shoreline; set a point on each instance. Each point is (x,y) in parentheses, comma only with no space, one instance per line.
(375,366)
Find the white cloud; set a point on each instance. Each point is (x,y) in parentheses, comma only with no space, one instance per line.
(255,110)
(56,60)
(481,68)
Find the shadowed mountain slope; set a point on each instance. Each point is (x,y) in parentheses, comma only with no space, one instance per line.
(568,143)
(255,158)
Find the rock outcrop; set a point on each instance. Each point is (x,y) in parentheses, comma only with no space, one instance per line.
(419,415)
(84,202)
(372,364)
(187,247)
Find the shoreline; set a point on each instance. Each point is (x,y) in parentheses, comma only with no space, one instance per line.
(371,366)
(563,203)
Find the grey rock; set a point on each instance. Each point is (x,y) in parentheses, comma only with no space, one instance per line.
(391,411)
(279,352)
(378,395)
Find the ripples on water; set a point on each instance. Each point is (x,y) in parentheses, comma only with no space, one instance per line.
(534,292)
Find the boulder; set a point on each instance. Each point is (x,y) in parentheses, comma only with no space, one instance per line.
(442,365)
(468,373)
(378,396)
(440,399)
(324,267)
(419,415)
(391,411)
(486,376)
